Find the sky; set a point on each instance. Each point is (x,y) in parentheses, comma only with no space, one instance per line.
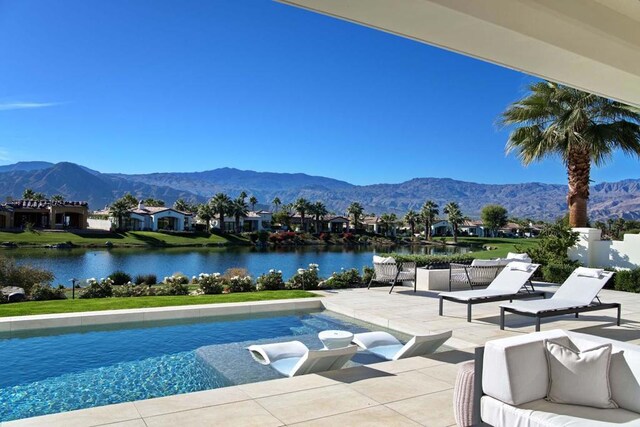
(140,86)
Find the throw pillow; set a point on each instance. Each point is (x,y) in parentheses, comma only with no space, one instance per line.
(589,272)
(579,378)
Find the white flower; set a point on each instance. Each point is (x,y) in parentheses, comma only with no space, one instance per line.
(301,271)
(272,271)
(279,271)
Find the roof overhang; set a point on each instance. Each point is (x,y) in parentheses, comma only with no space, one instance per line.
(593,45)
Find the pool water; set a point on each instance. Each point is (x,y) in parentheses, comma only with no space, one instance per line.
(61,370)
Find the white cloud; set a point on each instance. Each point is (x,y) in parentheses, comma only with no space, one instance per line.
(4,155)
(6,106)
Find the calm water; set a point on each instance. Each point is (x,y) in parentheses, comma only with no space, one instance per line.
(54,371)
(86,263)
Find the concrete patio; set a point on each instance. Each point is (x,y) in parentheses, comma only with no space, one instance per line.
(416,391)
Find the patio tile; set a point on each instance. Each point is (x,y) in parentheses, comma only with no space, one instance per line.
(286,385)
(246,413)
(316,403)
(131,423)
(82,418)
(376,416)
(183,402)
(446,373)
(434,409)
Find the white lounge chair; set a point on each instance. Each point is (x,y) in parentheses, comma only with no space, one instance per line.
(293,358)
(579,293)
(510,284)
(388,347)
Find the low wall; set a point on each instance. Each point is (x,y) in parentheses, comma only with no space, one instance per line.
(592,251)
(99,224)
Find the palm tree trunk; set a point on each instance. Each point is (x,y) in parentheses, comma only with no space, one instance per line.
(222,228)
(427,230)
(578,171)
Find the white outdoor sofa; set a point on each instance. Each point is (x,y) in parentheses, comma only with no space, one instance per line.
(512,380)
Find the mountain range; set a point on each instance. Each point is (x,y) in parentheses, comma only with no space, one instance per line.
(527,200)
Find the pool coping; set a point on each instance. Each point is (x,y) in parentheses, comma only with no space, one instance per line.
(91,318)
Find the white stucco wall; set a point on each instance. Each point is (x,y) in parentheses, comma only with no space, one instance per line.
(99,224)
(594,252)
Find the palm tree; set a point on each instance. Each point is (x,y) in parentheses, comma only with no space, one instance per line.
(579,127)
(243,195)
(28,194)
(57,198)
(388,220)
(120,209)
(302,207)
(411,218)
(205,213)
(276,202)
(220,204)
(238,208)
(253,201)
(181,205)
(318,210)
(355,209)
(428,214)
(455,217)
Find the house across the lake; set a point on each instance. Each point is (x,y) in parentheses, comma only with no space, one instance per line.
(154,218)
(53,214)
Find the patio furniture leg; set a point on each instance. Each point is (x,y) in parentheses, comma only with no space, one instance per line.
(468,312)
(619,312)
(537,324)
(370,282)
(392,285)
(501,319)
(440,306)
(576,315)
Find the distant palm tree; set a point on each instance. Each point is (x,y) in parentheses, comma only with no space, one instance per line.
(28,194)
(412,218)
(120,209)
(238,208)
(455,217)
(181,205)
(276,202)
(243,195)
(220,205)
(302,207)
(318,210)
(205,213)
(388,221)
(253,201)
(57,198)
(579,127)
(428,214)
(356,210)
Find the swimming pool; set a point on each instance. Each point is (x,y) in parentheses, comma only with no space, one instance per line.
(53,371)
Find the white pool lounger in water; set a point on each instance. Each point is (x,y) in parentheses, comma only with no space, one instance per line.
(293,358)
(388,347)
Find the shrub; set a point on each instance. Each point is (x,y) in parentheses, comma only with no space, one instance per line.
(44,292)
(210,284)
(304,278)
(432,261)
(240,284)
(272,281)
(146,279)
(367,274)
(235,271)
(131,290)
(344,279)
(22,276)
(173,288)
(119,278)
(553,243)
(97,289)
(179,278)
(348,237)
(263,236)
(627,280)
(557,273)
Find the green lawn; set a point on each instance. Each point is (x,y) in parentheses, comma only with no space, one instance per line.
(131,238)
(499,246)
(98,304)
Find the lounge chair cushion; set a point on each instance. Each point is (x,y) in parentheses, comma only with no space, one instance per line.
(579,377)
(589,272)
(520,266)
(485,263)
(383,260)
(519,257)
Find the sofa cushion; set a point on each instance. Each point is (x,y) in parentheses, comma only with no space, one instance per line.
(541,413)
(624,372)
(579,377)
(515,369)
(485,263)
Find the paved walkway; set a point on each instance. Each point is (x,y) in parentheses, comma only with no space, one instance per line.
(416,391)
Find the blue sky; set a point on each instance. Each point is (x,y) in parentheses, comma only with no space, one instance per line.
(139,86)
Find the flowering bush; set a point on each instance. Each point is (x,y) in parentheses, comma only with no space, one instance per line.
(367,274)
(210,284)
(272,281)
(133,290)
(304,278)
(97,289)
(173,288)
(240,284)
(348,237)
(44,291)
(344,279)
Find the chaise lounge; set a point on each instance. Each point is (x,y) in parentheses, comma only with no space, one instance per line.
(510,284)
(388,347)
(293,358)
(578,294)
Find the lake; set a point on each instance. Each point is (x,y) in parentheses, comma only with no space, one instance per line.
(86,263)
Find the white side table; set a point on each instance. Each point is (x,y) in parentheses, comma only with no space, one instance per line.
(335,339)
